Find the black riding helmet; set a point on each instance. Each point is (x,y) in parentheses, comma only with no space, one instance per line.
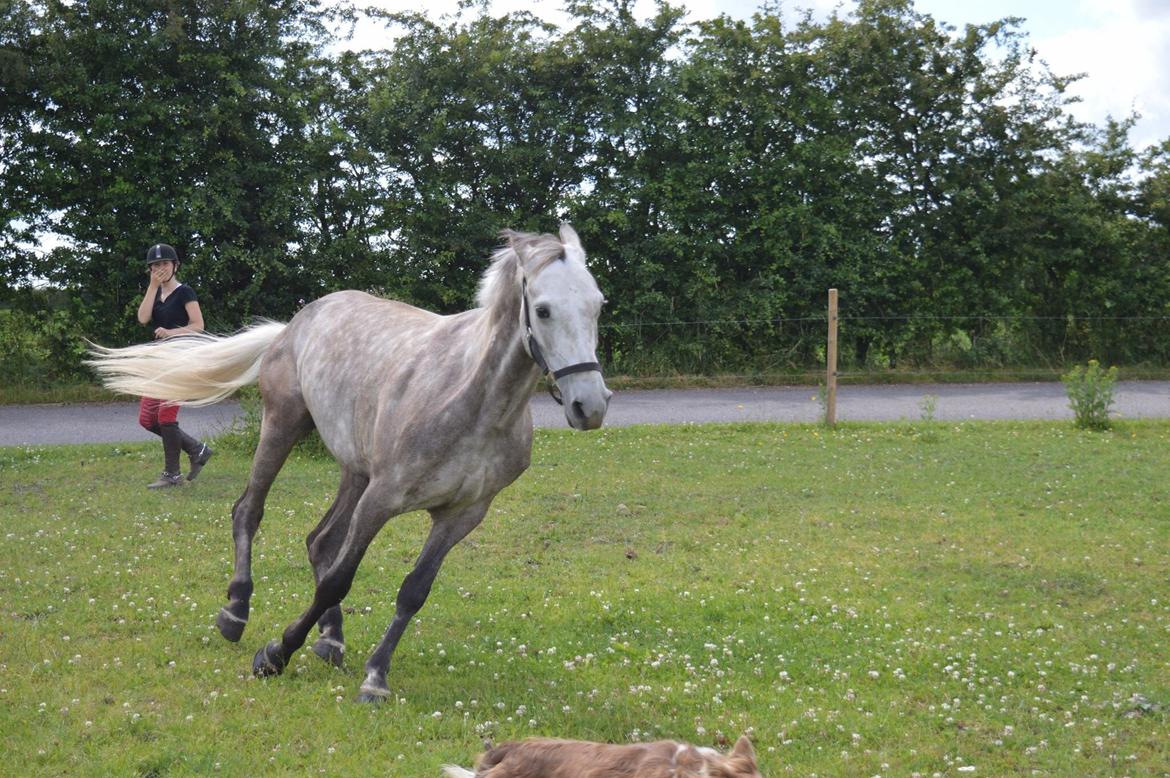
(161,252)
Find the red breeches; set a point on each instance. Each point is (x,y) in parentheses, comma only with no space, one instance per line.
(153,413)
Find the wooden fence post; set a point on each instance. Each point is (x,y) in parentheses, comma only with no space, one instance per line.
(831,363)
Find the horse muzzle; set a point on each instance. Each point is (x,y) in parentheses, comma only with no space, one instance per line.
(586,400)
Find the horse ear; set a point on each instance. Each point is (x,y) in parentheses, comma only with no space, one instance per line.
(743,748)
(569,236)
(509,237)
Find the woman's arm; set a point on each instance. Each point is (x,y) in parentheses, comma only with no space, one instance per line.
(194,323)
(146,307)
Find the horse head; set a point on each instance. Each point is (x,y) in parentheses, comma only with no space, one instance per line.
(559,315)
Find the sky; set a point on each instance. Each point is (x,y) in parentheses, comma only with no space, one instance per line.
(1122,46)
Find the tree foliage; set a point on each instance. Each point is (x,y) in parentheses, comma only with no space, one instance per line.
(724,174)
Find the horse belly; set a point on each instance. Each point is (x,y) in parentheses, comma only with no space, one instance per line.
(463,474)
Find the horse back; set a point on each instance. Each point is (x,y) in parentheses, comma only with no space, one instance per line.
(380,377)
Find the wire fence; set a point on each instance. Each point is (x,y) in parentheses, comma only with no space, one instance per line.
(906,344)
(823,319)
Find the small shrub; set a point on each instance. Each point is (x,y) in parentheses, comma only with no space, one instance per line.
(1090,395)
(928,405)
(244,435)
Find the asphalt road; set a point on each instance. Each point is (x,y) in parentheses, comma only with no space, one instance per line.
(117,422)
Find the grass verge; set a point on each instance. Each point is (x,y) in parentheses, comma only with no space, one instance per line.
(876,599)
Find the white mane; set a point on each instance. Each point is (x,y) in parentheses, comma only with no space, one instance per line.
(497,288)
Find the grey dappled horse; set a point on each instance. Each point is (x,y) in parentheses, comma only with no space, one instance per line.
(421,411)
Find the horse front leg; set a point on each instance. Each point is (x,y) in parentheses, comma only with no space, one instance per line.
(448,527)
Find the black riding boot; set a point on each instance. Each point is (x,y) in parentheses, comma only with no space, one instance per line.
(172,445)
(198,452)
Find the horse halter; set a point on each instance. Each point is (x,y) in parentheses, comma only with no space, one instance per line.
(537,354)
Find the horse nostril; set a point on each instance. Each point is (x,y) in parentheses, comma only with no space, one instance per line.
(579,410)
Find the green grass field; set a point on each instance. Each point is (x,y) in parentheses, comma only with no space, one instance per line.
(987,599)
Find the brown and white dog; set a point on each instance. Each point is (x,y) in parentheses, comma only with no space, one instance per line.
(549,758)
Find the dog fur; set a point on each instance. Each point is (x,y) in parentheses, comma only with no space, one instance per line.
(550,758)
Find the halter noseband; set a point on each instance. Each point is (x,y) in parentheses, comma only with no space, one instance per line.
(537,353)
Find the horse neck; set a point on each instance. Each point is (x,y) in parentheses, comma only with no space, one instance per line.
(505,372)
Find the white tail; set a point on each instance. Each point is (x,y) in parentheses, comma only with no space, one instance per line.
(193,370)
(451,771)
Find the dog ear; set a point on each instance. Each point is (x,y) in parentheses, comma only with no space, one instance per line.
(741,762)
(743,748)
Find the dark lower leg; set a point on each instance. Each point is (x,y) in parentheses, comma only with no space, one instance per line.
(272,658)
(331,645)
(323,544)
(411,597)
(276,442)
(447,529)
(233,617)
(333,583)
(191,446)
(322,551)
(172,445)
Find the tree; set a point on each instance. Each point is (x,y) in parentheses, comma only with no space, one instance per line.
(19,209)
(168,120)
(950,129)
(475,128)
(629,91)
(723,174)
(1094,273)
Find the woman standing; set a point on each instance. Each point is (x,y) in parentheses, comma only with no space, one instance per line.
(172,308)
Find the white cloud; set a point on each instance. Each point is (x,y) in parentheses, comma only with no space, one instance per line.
(1124,48)
(1153,9)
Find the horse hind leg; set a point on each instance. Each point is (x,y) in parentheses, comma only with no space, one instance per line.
(331,645)
(448,527)
(323,544)
(284,423)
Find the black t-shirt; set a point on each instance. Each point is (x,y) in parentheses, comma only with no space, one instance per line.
(172,312)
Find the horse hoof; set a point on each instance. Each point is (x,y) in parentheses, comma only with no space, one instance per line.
(372,695)
(230,625)
(332,651)
(268,661)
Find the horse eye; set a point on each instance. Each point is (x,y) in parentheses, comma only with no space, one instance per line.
(542,312)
